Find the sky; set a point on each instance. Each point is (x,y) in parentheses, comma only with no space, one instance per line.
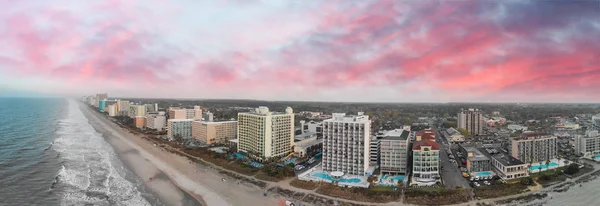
(310,50)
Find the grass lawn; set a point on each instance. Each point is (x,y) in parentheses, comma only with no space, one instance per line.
(436,196)
(382,189)
(499,190)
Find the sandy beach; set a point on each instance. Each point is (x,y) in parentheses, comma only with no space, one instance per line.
(174,179)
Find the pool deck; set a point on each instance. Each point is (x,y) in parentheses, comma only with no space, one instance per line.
(387,180)
(308,176)
(560,163)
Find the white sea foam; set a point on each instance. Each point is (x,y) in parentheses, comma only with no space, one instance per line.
(88,174)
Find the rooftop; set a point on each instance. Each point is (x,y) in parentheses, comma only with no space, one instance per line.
(501,156)
(217,122)
(181,120)
(397,134)
(425,143)
(306,135)
(477,155)
(342,117)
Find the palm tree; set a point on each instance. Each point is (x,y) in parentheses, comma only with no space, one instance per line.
(540,167)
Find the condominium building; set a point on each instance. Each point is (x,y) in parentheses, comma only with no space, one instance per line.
(214,132)
(150,108)
(504,165)
(177,113)
(426,162)
(207,116)
(588,145)
(265,134)
(191,113)
(139,121)
(476,160)
(393,152)
(179,127)
(374,152)
(123,107)
(100,97)
(534,147)
(596,122)
(137,110)
(157,121)
(471,120)
(346,143)
(112,110)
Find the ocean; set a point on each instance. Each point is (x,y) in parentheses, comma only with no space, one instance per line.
(51,155)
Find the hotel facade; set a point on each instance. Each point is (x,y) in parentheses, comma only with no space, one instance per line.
(264,134)
(534,147)
(346,144)
(214,132)
(179,127)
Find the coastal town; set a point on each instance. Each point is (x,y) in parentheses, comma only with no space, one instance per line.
(343,154)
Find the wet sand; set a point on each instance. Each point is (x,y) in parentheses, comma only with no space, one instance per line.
(174,178)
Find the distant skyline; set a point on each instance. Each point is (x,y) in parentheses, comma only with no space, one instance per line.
(336,51)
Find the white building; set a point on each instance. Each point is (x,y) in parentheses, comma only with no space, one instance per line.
(312,126)
(156,121)
(207,116)
(504,165)
(374,152)
(471,120)
(346,144)
(264,134)
(307,144)
(393,152)
(588,145)
(534,147)
(112,110)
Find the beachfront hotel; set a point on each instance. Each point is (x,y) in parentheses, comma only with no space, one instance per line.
(214,132)
(346,144)
(264,134)
(393,152)
(156,121)
(504,165)
(179,127)
(137,110)
(534,147)
(177,113)
(426,161)
(139,121)
(588,145)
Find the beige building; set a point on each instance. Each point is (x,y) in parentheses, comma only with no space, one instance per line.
(137,110)
(177,113)
(214,132)
(471,120)
(139,121)
(112,110)
(266,134)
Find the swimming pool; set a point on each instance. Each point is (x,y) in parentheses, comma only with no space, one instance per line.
(327,177)
(483,174)
(395,179)
(543,166)
(597,156)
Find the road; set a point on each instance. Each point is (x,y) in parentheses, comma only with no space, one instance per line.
(451,175)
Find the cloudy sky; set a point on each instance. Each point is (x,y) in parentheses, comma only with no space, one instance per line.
(335,50)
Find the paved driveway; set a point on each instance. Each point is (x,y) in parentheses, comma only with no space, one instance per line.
(451,175)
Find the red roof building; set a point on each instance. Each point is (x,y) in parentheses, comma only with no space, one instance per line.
(418,145)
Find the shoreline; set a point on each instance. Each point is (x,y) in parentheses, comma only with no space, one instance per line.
(254,194)
(200,182)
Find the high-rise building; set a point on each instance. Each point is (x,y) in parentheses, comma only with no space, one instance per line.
(179,127)
(150,108)
(214,132)
(139,121)
(588,145)
(102,105)
(393,152)
(346,144)
(534,147)
(112,110)
(426,162)
(207,116)
(471,120)
(596,122)
(100,97)
(137,111)
(123,107)
(265,134)
(177,113)
(156,121)
(374,152)
(190,113)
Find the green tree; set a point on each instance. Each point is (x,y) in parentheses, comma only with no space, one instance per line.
(572,169)
(446,115)
(463,131)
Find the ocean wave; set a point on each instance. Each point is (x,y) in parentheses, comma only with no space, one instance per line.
(89,174)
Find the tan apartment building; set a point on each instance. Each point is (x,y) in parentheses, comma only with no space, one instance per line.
(534,147)
(265,134)
(214,132)
(177,113)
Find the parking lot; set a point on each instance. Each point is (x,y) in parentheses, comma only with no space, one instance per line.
(451,174)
